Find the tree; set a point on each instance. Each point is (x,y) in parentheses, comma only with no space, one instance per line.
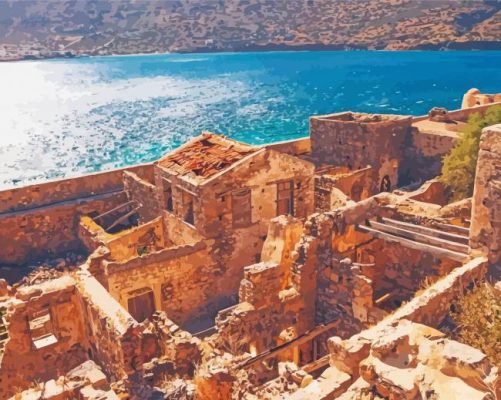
(459,165)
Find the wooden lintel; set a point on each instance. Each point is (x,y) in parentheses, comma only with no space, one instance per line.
(304,338)
(436,251)
(427,230)
(420,237)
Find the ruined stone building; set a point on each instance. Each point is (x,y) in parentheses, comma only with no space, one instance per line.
(318,268)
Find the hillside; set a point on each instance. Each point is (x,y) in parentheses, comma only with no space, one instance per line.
(44,28)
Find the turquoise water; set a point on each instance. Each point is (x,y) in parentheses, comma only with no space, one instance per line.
(66,117)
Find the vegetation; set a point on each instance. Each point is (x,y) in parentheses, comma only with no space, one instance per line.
(478,320)
(458,169)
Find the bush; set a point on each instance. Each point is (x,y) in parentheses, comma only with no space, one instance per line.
(458,167)
(478,320)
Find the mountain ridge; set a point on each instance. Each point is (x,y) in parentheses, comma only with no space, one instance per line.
(40,29)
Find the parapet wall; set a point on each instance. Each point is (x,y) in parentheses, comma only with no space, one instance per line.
(69,189)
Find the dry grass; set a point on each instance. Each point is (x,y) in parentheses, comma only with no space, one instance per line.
(478,320)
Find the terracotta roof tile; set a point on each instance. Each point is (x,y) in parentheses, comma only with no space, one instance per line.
(206,155)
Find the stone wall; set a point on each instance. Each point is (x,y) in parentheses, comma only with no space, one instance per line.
(358,140)
(260,176)
(296,147)
(269,309)
(334,188)
(422,157)
(144,193)
(42,220)
(473,98)
(22,363)
(48,231)
(144,239)
(182,279)
(111,331)
(77,188)
(485,231)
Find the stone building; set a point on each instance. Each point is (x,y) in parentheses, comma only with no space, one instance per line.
(225,270)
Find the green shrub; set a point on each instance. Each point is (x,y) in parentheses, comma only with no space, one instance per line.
(478,320)
(458,167)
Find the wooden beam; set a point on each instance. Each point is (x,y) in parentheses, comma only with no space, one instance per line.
(382,299)
(460,230)
(426,230)
(114,209)
(436,251)
(420,237)
(305,337)
(317,364)
(123,218)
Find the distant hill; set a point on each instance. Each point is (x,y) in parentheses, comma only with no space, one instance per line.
(44,28)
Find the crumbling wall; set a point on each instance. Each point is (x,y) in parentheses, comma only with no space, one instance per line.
(422,157)
(473,98)
(42,220)
(400,359)
(144,239)
(49,231)
(269,308)
(113,335)
(22,363)
(432,191)
(354,185)
(144,193)
(485,231)
(359,140)
(69,189)
(182,279)
(397,272)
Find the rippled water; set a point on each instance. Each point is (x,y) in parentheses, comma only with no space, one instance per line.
(67,117)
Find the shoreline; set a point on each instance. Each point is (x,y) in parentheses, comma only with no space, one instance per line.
(442,47)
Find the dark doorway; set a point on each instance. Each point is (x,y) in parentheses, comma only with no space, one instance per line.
(385,184)
(142,305)
(285,198)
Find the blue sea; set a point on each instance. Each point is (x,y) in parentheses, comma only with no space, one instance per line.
(63,117)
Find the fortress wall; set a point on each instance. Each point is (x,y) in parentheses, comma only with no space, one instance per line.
(69,189)
(41,220)
(462,114)
(48,231)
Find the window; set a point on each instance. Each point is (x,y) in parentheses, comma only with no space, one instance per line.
(141,304)
(41,329)
(285,198)
(188,214)
(168,202)
(241,208)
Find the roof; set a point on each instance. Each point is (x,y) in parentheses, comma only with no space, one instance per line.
(205,156)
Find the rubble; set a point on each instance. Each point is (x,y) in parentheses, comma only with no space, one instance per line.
(287,271)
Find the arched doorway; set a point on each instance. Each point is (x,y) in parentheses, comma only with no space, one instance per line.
(385,184)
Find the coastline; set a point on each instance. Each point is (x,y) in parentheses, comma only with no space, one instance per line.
(446,46)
